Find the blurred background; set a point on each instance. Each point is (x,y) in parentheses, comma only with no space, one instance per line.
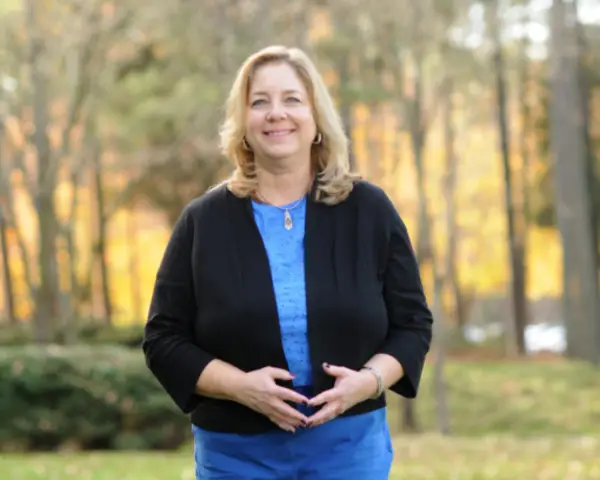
(481,119)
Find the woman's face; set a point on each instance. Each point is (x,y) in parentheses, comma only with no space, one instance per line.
(279,119)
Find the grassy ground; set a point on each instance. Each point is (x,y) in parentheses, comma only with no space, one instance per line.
(417,458)
(510,421)
(524,398)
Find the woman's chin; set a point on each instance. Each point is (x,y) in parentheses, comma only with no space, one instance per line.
(281,152)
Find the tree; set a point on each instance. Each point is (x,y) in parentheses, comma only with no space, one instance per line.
(573,200)
(516,232)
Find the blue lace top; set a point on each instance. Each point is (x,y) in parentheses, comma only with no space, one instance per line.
(285,250)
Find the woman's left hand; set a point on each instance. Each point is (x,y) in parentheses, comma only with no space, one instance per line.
(351,387)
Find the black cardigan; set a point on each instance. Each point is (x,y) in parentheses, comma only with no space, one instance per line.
(213,298)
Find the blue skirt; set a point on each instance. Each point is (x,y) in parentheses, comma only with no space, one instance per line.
(357,447)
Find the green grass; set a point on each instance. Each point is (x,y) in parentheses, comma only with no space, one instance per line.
(509,420)
(528,398)
(417,458)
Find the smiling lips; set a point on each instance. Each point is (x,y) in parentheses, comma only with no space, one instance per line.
(279,133)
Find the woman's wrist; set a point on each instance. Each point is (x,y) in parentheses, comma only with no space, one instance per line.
(370,382)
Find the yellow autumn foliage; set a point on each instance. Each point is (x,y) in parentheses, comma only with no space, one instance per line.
(482,253)
(383,156)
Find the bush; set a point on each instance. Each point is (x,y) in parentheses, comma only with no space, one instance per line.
(84,397)
(130,336)
(19,334)
(89,333)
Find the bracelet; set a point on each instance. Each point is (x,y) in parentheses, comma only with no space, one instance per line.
(379,378)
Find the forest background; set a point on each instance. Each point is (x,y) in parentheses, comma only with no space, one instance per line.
(480,119)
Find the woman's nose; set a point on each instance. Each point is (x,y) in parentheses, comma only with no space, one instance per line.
(277,111)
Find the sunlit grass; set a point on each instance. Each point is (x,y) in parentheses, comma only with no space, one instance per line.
(417,458)
(526,398)
(510,421)
(498,458)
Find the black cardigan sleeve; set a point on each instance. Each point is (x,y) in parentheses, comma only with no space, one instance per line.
(411,321)
(168,345)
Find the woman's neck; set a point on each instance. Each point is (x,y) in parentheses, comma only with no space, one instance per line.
(282,188)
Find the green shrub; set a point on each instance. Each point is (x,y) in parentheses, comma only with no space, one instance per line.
(84,397)
(88,332)
(127,336)
(19,334)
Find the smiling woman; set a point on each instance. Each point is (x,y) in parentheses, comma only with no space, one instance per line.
(280,89)
(280,122)
(288,298)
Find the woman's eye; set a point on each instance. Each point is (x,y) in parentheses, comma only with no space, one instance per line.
(257,102)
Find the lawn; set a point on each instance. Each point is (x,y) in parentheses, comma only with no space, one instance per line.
(425,457)
(520,398)
(528,420)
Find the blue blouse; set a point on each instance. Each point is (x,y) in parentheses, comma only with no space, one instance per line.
(357,447)
(285,250)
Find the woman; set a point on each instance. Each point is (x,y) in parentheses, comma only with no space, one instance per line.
(289,298)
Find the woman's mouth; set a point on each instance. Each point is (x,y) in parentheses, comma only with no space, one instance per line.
(279,133)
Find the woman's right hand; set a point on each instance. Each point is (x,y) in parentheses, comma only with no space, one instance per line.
(260,392)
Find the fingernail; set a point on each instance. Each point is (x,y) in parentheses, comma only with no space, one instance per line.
(326,365)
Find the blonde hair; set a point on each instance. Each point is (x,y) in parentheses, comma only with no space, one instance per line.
(329,158)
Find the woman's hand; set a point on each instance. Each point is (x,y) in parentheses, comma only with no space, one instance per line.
(260,393)
(351,387)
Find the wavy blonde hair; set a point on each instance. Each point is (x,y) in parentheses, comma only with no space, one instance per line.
(329,158)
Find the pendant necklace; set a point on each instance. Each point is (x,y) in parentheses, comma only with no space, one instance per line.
(288,223)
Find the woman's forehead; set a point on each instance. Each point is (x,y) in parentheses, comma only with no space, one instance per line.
(279,78)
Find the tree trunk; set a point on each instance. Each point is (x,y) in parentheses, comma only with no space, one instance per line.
(409,416)
(447,275)
(451,269)
(72,250)
(586,104)
(526,125)
(47,304)
(516,344)
(73,301)
(424,253)
(47,308)
(344,56)
(573,206)
(100,251)
(439,383)
(346,106)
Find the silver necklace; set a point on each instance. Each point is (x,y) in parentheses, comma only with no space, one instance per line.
(288,223)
